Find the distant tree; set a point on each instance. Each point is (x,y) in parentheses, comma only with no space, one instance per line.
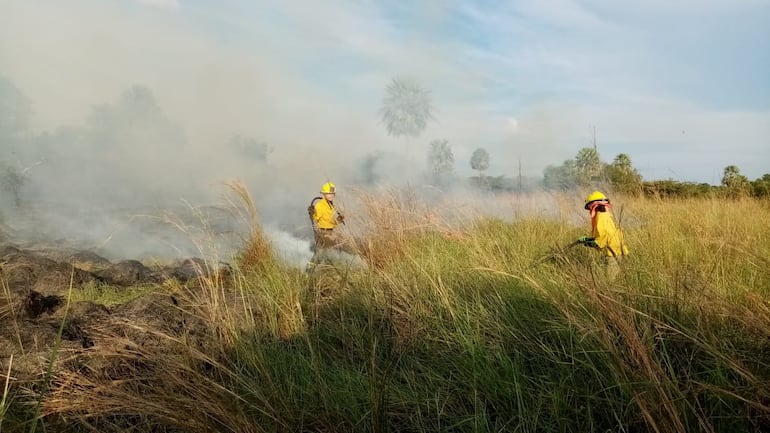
(561,177)
(761,187)
(583,170)
(14,114)
(622,175)
(440,160)
(734,182)
(588,165)
(368,168)
(134,122)
(500,184)
(132,140)
(406,109)
(249,148)
(480,161)
(136,106)
(672,188)
(12,179)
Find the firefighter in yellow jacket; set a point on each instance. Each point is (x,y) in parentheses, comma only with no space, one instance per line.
(325,218)
(606,236)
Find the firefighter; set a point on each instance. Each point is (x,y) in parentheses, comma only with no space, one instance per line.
(606,236)
(324,218)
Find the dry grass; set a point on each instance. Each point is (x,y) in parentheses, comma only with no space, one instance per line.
(391,219)
(257,252)
(689,254)
(451,322)
(179,386)
(4,401)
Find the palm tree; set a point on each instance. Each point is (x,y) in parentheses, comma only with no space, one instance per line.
(623,175)
(588,165)
(406,108)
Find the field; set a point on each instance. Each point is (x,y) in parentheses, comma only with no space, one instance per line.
(460,321)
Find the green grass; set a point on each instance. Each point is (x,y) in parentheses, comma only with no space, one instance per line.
(110,295)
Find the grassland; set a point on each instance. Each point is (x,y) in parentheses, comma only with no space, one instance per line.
(477,324)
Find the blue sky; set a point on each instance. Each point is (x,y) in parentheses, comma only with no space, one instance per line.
(682,87)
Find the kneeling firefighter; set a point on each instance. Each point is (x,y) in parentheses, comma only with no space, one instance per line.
(606,236)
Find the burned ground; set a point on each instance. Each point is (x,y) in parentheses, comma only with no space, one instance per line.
(37,316)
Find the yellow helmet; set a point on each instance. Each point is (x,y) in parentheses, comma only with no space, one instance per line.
(595,196)
(328,188)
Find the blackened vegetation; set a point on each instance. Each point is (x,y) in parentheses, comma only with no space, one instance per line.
(35,312)
(36,304)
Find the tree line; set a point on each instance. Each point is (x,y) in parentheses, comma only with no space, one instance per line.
(119,143)
(116,130)
(586,169)
(407,108)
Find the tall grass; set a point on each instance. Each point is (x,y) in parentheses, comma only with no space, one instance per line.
(455,327)
(5,400)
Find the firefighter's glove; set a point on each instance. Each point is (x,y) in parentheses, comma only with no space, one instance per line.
(311,211)
(588,241)
(340,218)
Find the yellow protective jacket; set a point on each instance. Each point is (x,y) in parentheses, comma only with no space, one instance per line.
(607,235)
(324,215)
